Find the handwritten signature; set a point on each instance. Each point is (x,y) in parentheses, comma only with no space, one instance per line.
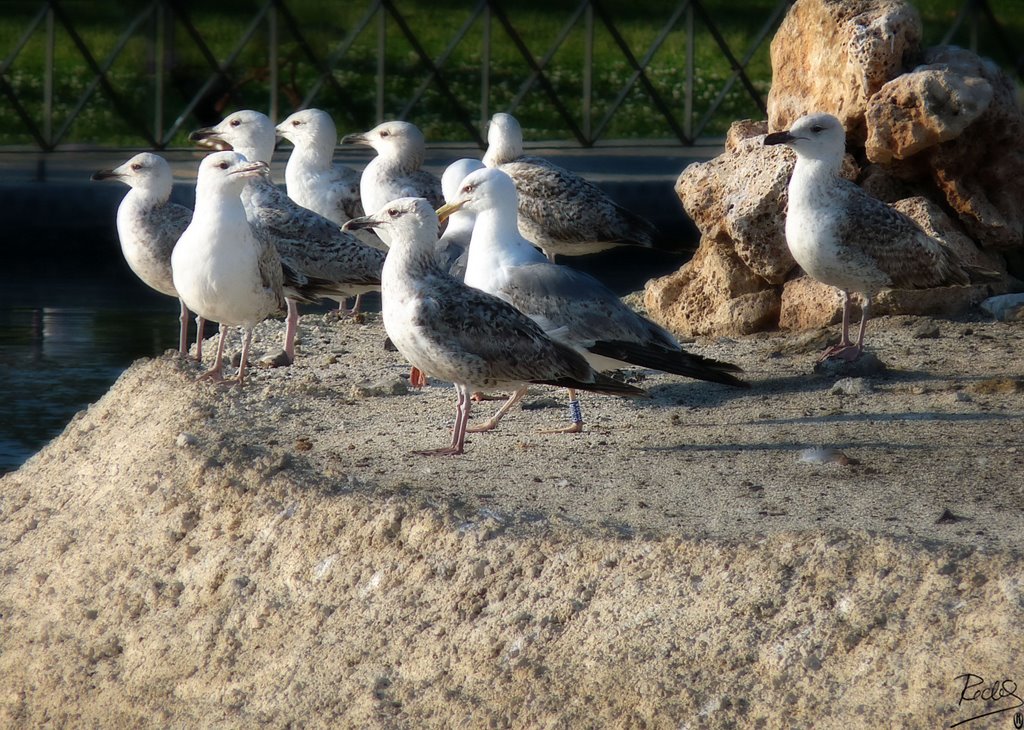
(976,689)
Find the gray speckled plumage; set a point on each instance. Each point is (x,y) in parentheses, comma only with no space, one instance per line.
(843,237)
(461,334)
(559,211)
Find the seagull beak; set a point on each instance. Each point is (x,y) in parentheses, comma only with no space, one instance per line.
(210,138)
(105,175)
(779,138)
(446,210)
(250,169)
(358,224)
(357,138)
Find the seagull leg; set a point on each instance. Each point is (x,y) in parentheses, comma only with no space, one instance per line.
(356,305)
(846,350)
(290,328)
(417,378)
(844,341)
(216,373)
(575,412)
(459,431)
(239,377)
(492,423)
(200,331)
(183,336)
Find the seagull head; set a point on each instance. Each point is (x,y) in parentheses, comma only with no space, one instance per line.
(405,219)
(486,189)
(396,139)
(247,131)
(226,173)
(813,136)
(455,173)
(504,140)
(145,171)
(309,127)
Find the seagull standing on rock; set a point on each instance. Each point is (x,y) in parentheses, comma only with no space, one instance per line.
(559,211)
(843,237)
(461,334)
(569,305)
(396,170)
(148,226)
(223,269)
(309,244)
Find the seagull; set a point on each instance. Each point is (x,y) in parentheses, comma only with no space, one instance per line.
(149,225)
(461,334)
(559,211)
(453,246)
(223,268)
(843,237)
(309,244)
(314,180)
(569,305)
(395,171)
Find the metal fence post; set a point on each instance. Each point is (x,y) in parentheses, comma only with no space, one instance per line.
(588,70)
(382,40)
(48,78)
(159,68)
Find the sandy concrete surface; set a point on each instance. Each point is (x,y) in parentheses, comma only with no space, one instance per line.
(185,555)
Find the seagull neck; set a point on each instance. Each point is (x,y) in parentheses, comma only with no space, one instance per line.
(810,175)
(404,160)
(256,152)
(501,151)
(496,237)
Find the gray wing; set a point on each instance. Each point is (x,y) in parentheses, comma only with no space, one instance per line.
(894,244)
(270,267)
(164,225)
(579,310)
(573,210)
(493,338)
(422,184)
(561,297)
(344,182)
(312,244)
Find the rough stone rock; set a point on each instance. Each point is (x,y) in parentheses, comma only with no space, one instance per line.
(979,172)
(921,109)
(809,304)
(833,55)
(742,196)
(712,294)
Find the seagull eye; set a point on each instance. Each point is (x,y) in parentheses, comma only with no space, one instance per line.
(136,166)
(384,133)
(223,166)
(469,188)
(817,129)
(236,123)
(393,212)
(296,123)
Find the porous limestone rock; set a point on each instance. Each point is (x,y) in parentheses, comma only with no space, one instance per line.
(714,293)
(741,196)
(833,55)
(921,109)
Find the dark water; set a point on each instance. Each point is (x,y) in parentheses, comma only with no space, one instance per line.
(58,356)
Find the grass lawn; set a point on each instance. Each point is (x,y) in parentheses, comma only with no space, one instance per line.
(327,27)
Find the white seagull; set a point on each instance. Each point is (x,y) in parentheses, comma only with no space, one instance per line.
(309,244)
(570,306)
(396,170)
(843,237)
(148,226)
(223,269)
(461,334)
(559,211)
(453,246)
